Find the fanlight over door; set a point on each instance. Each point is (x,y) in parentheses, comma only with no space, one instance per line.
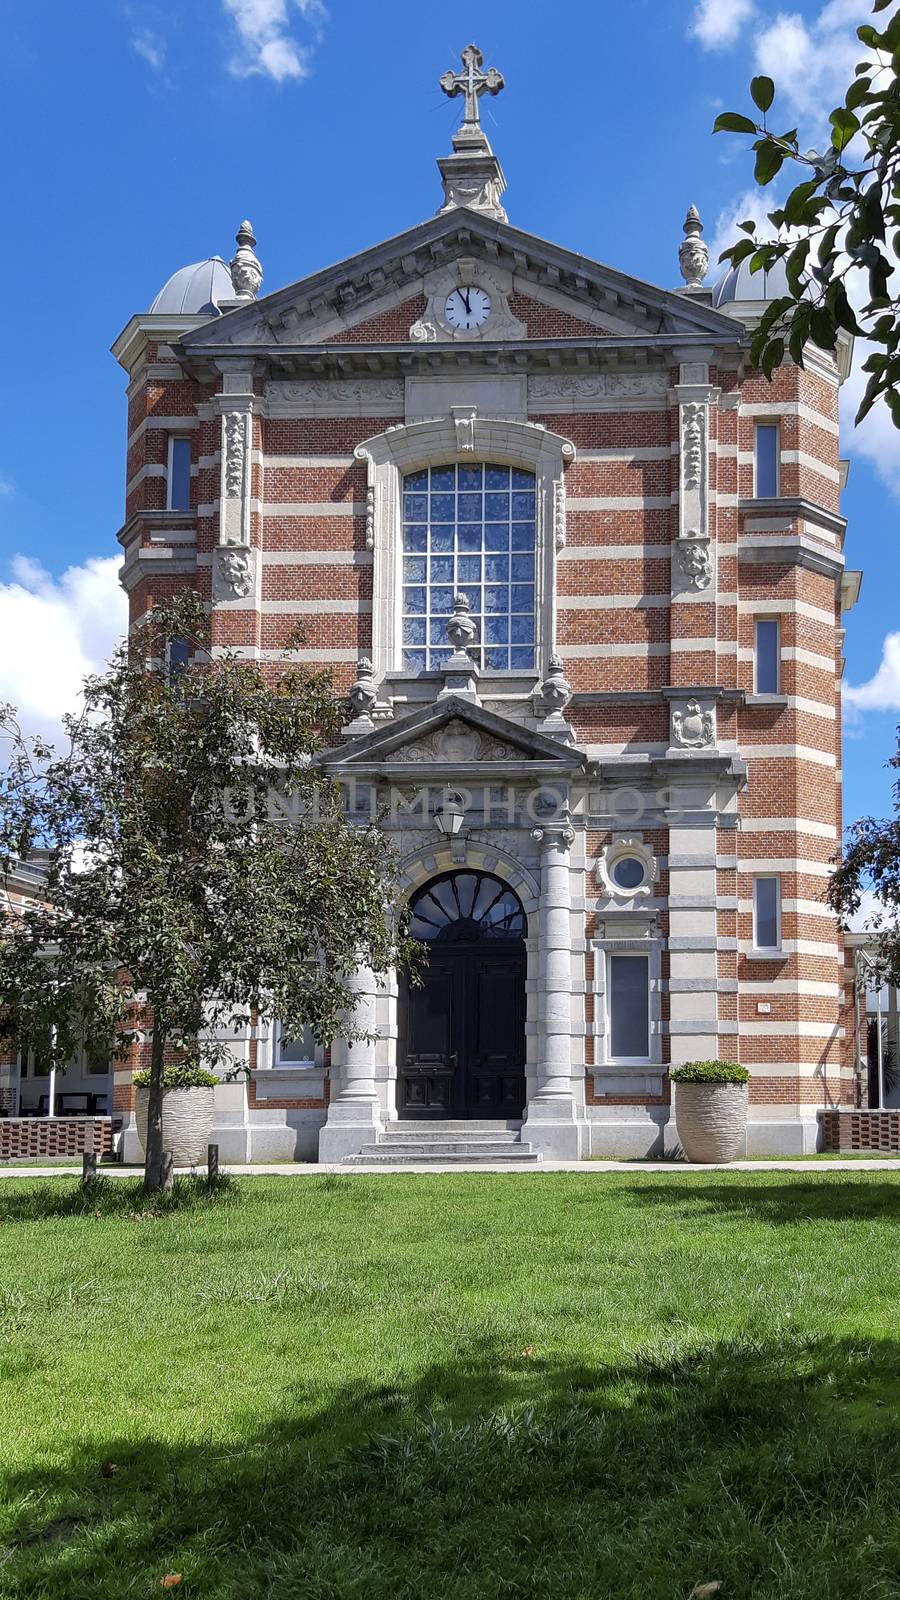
(462,1031)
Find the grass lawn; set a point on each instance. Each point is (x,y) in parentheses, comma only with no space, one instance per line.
(402,1387)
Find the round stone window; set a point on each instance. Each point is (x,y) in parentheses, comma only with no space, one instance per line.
(628,872)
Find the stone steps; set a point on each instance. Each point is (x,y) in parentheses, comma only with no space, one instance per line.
(446,1143)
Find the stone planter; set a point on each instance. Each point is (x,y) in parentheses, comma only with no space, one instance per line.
(711,1119)
(187,1123)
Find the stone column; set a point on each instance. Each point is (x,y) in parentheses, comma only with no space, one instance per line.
(354,1112)
(552,1124)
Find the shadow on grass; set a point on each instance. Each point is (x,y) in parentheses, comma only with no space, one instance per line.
(110,1197)
(837,1197)
(772,1468)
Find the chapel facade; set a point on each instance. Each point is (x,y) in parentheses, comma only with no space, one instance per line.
(579,569)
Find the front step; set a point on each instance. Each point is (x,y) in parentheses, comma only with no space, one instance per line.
(452,1143)
(378,1156)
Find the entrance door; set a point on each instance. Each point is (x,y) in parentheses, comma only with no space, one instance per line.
(462,1031)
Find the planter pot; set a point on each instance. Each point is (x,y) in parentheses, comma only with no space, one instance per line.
(187,1123)
(711,1119)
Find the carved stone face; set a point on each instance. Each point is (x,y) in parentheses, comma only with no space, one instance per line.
(237,571)
(246,276)
(693,258)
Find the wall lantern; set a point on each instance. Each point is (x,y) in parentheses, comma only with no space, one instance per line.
(449,815)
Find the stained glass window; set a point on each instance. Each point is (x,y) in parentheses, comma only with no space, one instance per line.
(469,530)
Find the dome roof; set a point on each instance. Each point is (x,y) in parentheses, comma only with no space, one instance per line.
(195,290)
(739,283)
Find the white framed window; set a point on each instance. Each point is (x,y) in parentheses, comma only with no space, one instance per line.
(296,1052)
(767,656)
(767,912)
(766,452)
(628,1006)
(469,529)
(178,473)
(404,460)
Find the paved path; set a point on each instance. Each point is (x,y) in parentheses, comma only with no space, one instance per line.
(309,1169)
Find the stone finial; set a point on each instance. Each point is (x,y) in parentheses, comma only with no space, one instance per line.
(472,176)
(460,627)
(363,692)
(693,254)
(461,671)
(551,697)
(246,272)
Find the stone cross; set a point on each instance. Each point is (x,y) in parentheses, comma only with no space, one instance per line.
(472,82)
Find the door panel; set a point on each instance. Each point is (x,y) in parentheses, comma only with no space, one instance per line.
(428,1049)
(461,1050)
(495,1055)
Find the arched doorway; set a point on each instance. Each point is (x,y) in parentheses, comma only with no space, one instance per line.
(462,1031)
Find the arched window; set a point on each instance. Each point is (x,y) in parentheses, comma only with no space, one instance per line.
(469,530)
(466,906)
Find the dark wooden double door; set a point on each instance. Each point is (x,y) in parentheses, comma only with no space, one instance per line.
(462,1034)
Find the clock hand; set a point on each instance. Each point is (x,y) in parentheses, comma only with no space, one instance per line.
(465,296)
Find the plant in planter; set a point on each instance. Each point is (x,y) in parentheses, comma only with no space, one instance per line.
(188,1099)
(711,1109)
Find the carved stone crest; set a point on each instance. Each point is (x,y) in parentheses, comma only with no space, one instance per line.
(694,560)
(234,573)
(692,728)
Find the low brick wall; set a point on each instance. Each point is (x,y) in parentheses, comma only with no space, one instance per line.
(24,1137)
(861,1130)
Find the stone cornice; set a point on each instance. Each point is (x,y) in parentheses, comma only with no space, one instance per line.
(795,506)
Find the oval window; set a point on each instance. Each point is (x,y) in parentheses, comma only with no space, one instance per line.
(627,872)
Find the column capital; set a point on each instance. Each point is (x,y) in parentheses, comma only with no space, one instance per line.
(557,835)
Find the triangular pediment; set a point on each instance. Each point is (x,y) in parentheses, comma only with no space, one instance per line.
(452,733)
(376,296)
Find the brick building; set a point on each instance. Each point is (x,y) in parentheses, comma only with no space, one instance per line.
(580,568)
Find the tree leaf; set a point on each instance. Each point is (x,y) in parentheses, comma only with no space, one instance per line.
(773,356)
(769,162)
(733,122)
(796,200)
(845,125)
(762,92)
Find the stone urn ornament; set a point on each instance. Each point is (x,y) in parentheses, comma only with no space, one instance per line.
(461,630)
(711,1109)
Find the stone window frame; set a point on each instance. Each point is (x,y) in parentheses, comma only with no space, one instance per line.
(640,939)
(623,846)
(461,438)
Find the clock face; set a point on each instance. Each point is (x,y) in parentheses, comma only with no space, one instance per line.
(467,308)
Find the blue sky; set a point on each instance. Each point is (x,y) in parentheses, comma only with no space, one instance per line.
(143,133)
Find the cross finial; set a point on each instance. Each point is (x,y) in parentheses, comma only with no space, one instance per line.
(472,82)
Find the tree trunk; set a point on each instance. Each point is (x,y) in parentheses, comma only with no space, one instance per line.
(155,1172)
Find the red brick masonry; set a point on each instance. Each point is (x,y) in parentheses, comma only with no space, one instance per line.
(54,1136)
(861,1130)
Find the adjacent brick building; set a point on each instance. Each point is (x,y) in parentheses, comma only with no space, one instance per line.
(581,568)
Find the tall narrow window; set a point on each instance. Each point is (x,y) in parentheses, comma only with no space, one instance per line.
(178,654)
(767,656)
(767,913)
(469,530)
(628,992)
(179,495)
(766,459)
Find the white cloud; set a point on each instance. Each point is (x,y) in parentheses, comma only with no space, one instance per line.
(266,44)
(6,485)
(54,631)
(150,49)
(753,205)
(717,23)
(882,692)
(812,63)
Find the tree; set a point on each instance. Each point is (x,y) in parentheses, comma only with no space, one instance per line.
(199,863)
(871,860)
(840,225)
